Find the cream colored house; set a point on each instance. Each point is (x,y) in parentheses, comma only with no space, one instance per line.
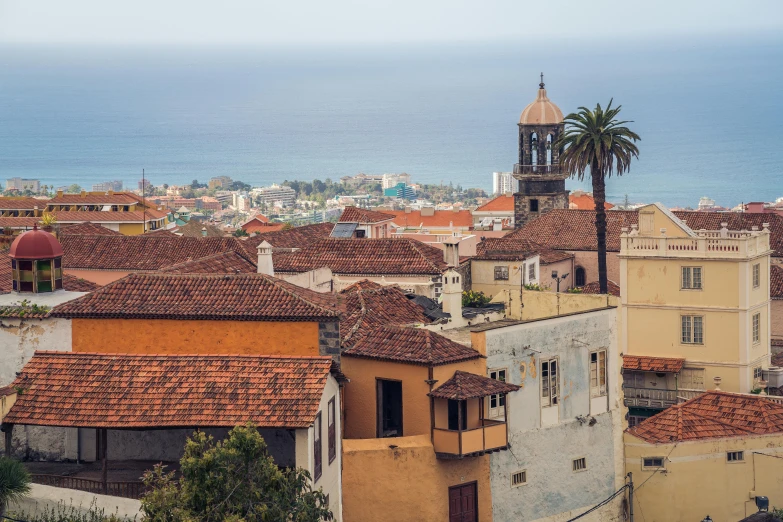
(701,297)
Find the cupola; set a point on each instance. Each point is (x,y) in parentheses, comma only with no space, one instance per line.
(36,262)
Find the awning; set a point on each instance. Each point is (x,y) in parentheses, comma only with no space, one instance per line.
(641,363)
(464,385)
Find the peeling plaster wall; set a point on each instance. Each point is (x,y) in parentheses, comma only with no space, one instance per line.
(20,338)
(546,453)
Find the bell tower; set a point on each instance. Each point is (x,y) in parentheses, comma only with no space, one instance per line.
(541,181)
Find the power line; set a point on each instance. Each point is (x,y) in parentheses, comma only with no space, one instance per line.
(600,505)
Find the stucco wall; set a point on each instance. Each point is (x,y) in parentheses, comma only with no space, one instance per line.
(546,453)
(101,277)
(20,338)
(195,337)
(388,480)
(536,305)
(776,317)
(43,498)
(588,259)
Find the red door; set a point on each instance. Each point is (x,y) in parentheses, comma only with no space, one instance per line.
(462,503)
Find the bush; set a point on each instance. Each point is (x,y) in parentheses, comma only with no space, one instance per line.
(471,299)
(14,482)
(535,287)
(69,513)
(574,290)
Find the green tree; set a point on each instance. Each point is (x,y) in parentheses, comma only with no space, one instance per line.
(597,141)
(14,482)
(240,232)
(231,480)
(73,189)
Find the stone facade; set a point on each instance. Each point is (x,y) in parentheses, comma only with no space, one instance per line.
(543,201)
(329,339)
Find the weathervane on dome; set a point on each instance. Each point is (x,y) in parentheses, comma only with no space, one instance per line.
(542,81)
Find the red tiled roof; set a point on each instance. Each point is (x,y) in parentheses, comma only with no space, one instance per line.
(777,358)
(516,249)
(161,232)
(234,297)
(19,222)
(143,252)
(232,262)
(77,284)
(118,198)
(776,281)
(585,202)
(87,229)
(715,414)
(595,288)
(642,363)
(365,257)
(12,203)
(369,305)
(362,215)
(97,216)
(410,346)
(195,229)
(154,391)
(464,385)
(502,203)
(297,237)
(440,219)
(256,227)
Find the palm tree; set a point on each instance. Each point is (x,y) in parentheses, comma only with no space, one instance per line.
(14,482)
(596,140)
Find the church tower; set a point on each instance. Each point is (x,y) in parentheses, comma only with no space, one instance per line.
(541,181)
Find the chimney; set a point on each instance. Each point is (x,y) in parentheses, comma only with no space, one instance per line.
(451,252)
(59,193)
(265,265)
(451,302)
(203,231)
(84,193)
(407,209)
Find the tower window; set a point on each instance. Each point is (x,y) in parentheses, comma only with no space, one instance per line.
(533,205)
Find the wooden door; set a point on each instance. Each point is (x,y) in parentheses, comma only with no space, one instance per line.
(462,503)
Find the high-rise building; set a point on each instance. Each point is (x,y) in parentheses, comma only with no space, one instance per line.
(21,184)
(285,196)
(106,186)
(219,182)
(392,180)
(504,183)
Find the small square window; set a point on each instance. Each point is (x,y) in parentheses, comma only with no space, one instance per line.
(533,205)
(652,462)
(519,478)
(735,456)
(757,373)
(691,278)
(501,273)
(579,464)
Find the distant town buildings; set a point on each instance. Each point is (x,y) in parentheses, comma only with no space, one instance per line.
(106,186)
(220,182)
(21,184)
(504,183)
(144,184)
(362,179)
(275,195)
(393,180)
(400,191)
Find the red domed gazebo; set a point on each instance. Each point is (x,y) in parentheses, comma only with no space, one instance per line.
(36,261)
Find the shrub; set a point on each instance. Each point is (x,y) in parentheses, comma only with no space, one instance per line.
(69,513)
(474,299)
(535,287)
(14,482)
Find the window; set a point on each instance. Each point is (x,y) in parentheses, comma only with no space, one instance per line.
(501,273)
(735,456)
(549,382)
(756,275)
(359,233)
(332,432)
(389,408)
(317,448)
(580,276)
(598,373)
(634,420)
(757,373)
(531,272)
(579,464)
(652,462)
(458,415)
(691,278)
(692,329)
(519,478)
(691,379)
(756,328)
(533,205)
(497,402)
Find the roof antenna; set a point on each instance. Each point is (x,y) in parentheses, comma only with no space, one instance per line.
(541,85)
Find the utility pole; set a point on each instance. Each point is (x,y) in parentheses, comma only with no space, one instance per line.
(144,201)
(630,497)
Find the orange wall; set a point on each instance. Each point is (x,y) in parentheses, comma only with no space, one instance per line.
(194,337)
(101,277)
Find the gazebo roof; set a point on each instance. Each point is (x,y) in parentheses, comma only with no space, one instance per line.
(464,385)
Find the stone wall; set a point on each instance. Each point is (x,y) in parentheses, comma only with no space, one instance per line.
(546,202)
(20,338)
(329,338)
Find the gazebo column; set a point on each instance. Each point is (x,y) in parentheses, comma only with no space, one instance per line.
(104,464)
(9,436)
(459,425)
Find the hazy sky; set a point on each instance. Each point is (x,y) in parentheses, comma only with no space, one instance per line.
(376,21)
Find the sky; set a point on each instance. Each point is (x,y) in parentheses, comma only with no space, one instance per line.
(303,22)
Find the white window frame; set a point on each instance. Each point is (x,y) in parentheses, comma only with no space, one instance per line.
(756,275)
(550,384)
(662,466)
(500,398)
(691,278)
(688,329)
(756,329)
(522,472)
(597,372)
(757,373)
(735,457)
(579,464)
(531,272)
(692,377)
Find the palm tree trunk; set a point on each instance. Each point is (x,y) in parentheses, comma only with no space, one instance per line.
(599,197)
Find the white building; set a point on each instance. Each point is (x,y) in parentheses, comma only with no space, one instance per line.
(391,180)
(106,186)
(504,182)
(21,184)
(275,195)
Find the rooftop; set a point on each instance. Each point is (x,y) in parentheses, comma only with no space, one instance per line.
(97,216)
(153,391)
(595,288)
(464,385)
(195,229)
(516,249)
(652,364)
(541,111)
(231,262)
(502,203)
(584,201)
(92,198)
(296,237)
(363,216)
(776,281)
(410,346)
(438,219)
(235,297)
(87,229)
(22,203)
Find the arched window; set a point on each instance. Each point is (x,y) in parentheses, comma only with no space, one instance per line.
(533,149)
(549,143)
(580,277)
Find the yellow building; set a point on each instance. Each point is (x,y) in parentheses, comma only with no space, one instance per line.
(712,455)
(701,297)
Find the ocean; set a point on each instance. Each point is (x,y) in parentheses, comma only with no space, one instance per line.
(709,112)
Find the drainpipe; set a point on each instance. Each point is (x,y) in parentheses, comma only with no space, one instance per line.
(431,382)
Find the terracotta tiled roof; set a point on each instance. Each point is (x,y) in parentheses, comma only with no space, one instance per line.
(502,203)
(516,249)
(260,228)
(595,288)
(21,312)
(22,203)
(776,282)
(231,262)
(77,284)
(87,229)
(70,283)
(365,257)
(144,252)
(585,202)
(369,306)
(161,232)
(118,198)
(410,346)
(154,391)
(362,215)
(297,237)
(236,297)
(195,229)
(715,414)
(777,358)
(566,229)
(19,222)
(440,219)
(136,216)
(642,363)
(464,385)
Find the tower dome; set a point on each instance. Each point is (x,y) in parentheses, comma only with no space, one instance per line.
(542,111)
(36,262)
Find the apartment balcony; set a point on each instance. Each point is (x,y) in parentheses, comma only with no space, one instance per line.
(721,244)
(656,398)
(456,444)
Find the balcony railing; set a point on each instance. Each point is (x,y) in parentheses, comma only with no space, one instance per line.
(536,169)
(655,397)
(453,444)
(735,245)
(116,489)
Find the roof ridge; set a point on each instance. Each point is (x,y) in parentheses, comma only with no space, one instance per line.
(323,358)
(362,313)
(416,248)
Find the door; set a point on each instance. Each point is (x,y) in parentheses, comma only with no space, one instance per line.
(462,503)
(389,408)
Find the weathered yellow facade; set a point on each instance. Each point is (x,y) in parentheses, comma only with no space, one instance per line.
(731,302)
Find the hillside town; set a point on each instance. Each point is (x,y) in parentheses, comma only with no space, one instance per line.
(418,352)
